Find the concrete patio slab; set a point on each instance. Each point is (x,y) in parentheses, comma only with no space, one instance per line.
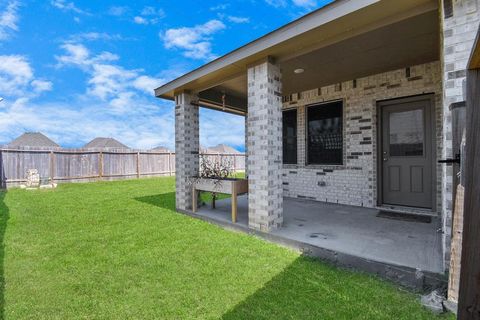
(349,230)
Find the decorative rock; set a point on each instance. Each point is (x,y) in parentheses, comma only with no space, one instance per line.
(33,178)
(433,301)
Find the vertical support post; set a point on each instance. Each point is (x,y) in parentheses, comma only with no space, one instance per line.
(138,165)
(246,146)
(194,199)
(469,297)
(265,200)
(186,148)
(234,163)
(170,164)
(52,166)
(100,164)
(234,202)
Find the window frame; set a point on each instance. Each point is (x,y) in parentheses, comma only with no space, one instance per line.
(296,137)
(307,109)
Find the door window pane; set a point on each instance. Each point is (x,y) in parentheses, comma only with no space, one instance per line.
(290,137)
(325,133)
(406,134)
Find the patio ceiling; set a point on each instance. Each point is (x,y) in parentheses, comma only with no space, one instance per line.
(361,38)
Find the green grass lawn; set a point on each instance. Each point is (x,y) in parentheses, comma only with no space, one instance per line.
(118,250)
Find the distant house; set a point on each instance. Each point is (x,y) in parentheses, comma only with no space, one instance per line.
(161,149)
(222,148)
(33,139)
(105,143)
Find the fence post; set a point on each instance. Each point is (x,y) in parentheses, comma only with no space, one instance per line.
(100,164)
(52,166)
(138,165)
(170,163)
(234,163)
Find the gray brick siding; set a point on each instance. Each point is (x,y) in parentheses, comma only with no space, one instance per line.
(459,30)
(265,199)
(355,182)
(186,148)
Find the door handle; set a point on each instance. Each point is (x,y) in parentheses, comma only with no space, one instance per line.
(451,161)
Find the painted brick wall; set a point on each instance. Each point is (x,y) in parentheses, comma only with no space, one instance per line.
(355,183)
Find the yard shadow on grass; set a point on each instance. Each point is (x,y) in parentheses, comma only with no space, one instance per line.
(162,200)
(4,215)
(306,289)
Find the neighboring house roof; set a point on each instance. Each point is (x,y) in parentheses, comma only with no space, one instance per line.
(33,139)
(161,149)
(106,143)
(222,148)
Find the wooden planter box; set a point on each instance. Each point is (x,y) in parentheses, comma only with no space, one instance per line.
(232,186)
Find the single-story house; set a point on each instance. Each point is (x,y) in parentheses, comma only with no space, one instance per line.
(223,149)
(105,143)
(350,104)
(31,140)
(161,149)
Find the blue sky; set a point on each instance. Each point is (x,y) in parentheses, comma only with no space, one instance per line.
(75,70)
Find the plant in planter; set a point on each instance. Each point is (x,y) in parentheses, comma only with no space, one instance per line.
(216,169)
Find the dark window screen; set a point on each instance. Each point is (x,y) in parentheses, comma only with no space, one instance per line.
(325,133)
(290,137)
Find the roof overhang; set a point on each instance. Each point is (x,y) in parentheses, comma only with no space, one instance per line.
(332,24)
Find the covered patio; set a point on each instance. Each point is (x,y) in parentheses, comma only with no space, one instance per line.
(312,94)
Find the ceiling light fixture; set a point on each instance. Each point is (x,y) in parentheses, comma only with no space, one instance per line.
(299,71)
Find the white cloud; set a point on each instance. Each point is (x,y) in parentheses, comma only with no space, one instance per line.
(219,127)
(67,6)
(41,85)
(152,11)
(15,75)
(147,84)
(107,81)
(194,41)
(117,102)
(235,19)
(17,80)
(149,15)
(277,3)
(76,54)
(94,36)
(220,7)
(9,19)
(305,3)
(117,11)
(79,121)
(140,20)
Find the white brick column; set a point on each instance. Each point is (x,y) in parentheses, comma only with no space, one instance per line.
(265,200)
(186,148)
(460,20)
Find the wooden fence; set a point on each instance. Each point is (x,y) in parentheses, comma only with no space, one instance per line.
(61,165)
